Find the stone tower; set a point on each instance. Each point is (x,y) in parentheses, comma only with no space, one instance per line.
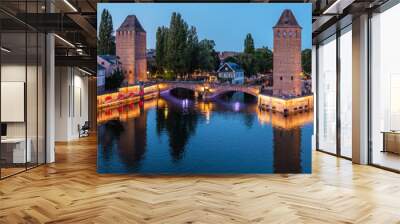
(130,43)
(287,56)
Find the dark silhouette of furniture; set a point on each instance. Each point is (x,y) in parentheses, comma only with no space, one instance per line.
(84,130)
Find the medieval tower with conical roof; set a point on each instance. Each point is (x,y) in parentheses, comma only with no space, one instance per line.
(130,42)
(287,56)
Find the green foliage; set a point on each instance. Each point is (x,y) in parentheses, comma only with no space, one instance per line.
(208,57)
(169,75)
(306,60)
(253,61)
(106,42)
(176,44)
(248,44)
(263,60)
(192,50)
(258,62)
(151,66)
(115,80)
(161,47)
(179,51)
(247,62)
(232,59)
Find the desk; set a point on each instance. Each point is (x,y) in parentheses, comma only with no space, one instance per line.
(391,141)
(16,147)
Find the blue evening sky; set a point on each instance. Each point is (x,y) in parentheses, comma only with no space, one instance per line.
(225,23)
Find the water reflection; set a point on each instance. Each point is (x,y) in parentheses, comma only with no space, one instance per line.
(179,124)
(172,134)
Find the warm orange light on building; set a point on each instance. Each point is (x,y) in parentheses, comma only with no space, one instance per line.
(286,106)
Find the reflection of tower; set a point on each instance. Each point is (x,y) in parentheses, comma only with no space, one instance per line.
(131,49)
(140,134)
(287,56)
(132,143)
(287,150)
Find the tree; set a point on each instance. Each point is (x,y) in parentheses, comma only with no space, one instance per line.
(152,67)
(248,44)
(192,51)
(306,60)
(176,44)
(106,41)
(161,48)
(263,60)
(247,62)
(179,52)
(115,80)
(208,57)
(233,59)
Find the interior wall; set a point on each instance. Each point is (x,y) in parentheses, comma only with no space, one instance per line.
(16,73)
(61,103)
(71,102)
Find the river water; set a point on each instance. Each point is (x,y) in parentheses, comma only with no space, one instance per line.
(177,134)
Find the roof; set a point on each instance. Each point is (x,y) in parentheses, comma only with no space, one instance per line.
(109,58)
(235,67)
(287,19)
(226,54)
(131,23)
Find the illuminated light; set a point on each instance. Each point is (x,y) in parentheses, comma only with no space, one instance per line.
(237,106)
(166,112)
(5,50)
(64,40)
(70,5)
(337,7)
(86,72)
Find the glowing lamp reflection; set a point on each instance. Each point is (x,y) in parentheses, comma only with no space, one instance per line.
(166,112)
(236,106)
(185,103)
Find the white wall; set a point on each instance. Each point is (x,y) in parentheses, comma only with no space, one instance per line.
(71,102)
(61,103)
(33,126)
(17,73)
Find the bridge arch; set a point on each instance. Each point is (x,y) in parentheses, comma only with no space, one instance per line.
(182,87)
(221,92)
(174,85)
(251,90)
(212,90)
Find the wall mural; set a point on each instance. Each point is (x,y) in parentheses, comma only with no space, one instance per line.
(194,88)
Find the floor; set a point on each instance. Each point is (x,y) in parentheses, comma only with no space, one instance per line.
(70,191)
(10,171)
(387,159)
